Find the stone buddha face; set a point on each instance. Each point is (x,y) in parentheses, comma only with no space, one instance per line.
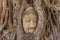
(29,22)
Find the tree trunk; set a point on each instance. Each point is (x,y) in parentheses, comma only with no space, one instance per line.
(48,24)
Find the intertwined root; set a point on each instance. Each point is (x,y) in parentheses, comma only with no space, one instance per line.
(51,12)
(6,23)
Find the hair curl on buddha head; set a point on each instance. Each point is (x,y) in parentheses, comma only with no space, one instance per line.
(29,10)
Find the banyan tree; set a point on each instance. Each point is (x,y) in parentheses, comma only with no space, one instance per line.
(29,19)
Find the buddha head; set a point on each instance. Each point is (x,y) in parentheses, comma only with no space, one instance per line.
(29,20)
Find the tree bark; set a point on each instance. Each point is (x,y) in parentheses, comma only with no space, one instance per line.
(48,26)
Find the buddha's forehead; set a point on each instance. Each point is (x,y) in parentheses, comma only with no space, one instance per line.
(30,16)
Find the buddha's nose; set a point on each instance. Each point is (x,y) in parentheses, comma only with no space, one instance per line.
(32,24)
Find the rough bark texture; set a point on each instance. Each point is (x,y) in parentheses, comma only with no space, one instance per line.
(48,26)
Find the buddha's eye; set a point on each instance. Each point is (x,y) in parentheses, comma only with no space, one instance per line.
(27,20)
(34,21)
